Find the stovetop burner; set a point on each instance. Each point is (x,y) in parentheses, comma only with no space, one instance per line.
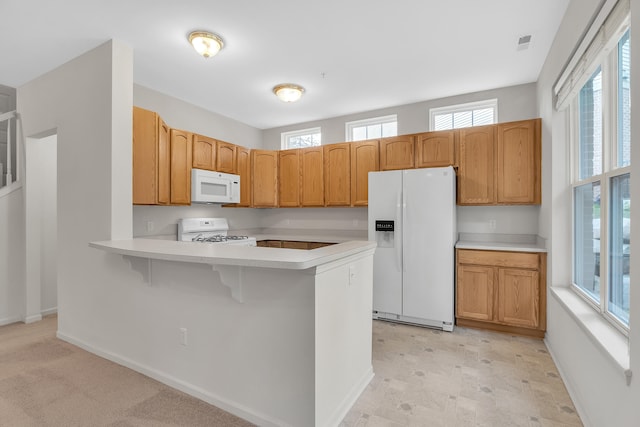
(216,238)
(210,230)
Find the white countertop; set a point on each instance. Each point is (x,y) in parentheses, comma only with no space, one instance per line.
(501,242)
(249,256)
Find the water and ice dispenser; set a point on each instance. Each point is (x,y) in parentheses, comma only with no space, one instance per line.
(385,230)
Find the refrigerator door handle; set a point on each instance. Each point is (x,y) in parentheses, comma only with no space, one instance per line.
(404,222)
(397,232)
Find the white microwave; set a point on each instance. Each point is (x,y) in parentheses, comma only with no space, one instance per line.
(214,187)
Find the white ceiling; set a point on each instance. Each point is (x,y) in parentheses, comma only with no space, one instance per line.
(350,55)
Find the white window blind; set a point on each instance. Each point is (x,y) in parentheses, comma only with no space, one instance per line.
(599,40)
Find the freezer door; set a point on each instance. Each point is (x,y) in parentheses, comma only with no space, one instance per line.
(384,204)
(429,239)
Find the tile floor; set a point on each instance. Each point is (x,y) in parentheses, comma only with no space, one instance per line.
(425,377)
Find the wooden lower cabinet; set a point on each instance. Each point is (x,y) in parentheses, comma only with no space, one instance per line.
(475,292)
(502,291)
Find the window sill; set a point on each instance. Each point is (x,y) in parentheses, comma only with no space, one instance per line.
(610,341)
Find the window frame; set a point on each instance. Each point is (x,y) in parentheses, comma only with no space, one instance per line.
(286,136)
(610,169)
(350,126)
(459,108)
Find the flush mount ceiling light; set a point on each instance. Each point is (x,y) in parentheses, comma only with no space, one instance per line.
(288,92)
(206,44)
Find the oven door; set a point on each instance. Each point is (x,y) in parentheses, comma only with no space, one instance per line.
(214,187)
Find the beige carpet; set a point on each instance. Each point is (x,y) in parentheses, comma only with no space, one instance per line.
(47,382)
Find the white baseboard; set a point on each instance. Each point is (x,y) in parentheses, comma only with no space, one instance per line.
(570,388)
(351,398)
(49,311)
(33,318)
(232,407)
(10,320)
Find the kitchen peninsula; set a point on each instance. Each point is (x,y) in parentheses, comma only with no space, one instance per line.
(289,343)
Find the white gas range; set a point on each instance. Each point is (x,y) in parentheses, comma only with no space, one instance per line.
(210,230)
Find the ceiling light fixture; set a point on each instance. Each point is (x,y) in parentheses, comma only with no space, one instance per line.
(288,92)
(206,44)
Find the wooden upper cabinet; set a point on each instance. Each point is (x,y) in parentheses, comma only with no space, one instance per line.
(312,176)
(519,169)
(264,178)
(243,168)
(337,174)
(365,158)
(226,157)
(476,177)
(151,162)
(435,149)
(181,161)
(397,153)
(289,178)
(204,152)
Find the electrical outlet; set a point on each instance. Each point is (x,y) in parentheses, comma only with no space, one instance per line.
(183,336)
(150,226)
(492,224)
(352,274)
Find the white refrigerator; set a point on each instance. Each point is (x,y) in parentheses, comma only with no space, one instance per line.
(412,217)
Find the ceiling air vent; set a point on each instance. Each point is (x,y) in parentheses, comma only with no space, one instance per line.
(523,42)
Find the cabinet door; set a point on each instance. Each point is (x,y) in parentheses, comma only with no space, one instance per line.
(151,159)
(243,168)
(396,153)
(337,176)
(365,158)
(476,178)
(519,152)
(181,156)
(289,178)
(518,297)
(226,157)
(312,175)
(164,163)
(204,152)
(474,292)
(435,149)
(264,178)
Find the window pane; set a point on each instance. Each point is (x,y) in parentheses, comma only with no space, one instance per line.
(624,102)
(374,131)
(590,126)
(390,129)
(587,239)
(443,121)
(462,119)
(483,117)
(359,133)
(619,249)
(302,141)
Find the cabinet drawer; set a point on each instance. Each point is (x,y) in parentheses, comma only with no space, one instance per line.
(499,259)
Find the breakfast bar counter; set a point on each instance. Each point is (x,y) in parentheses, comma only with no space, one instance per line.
(280,337)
